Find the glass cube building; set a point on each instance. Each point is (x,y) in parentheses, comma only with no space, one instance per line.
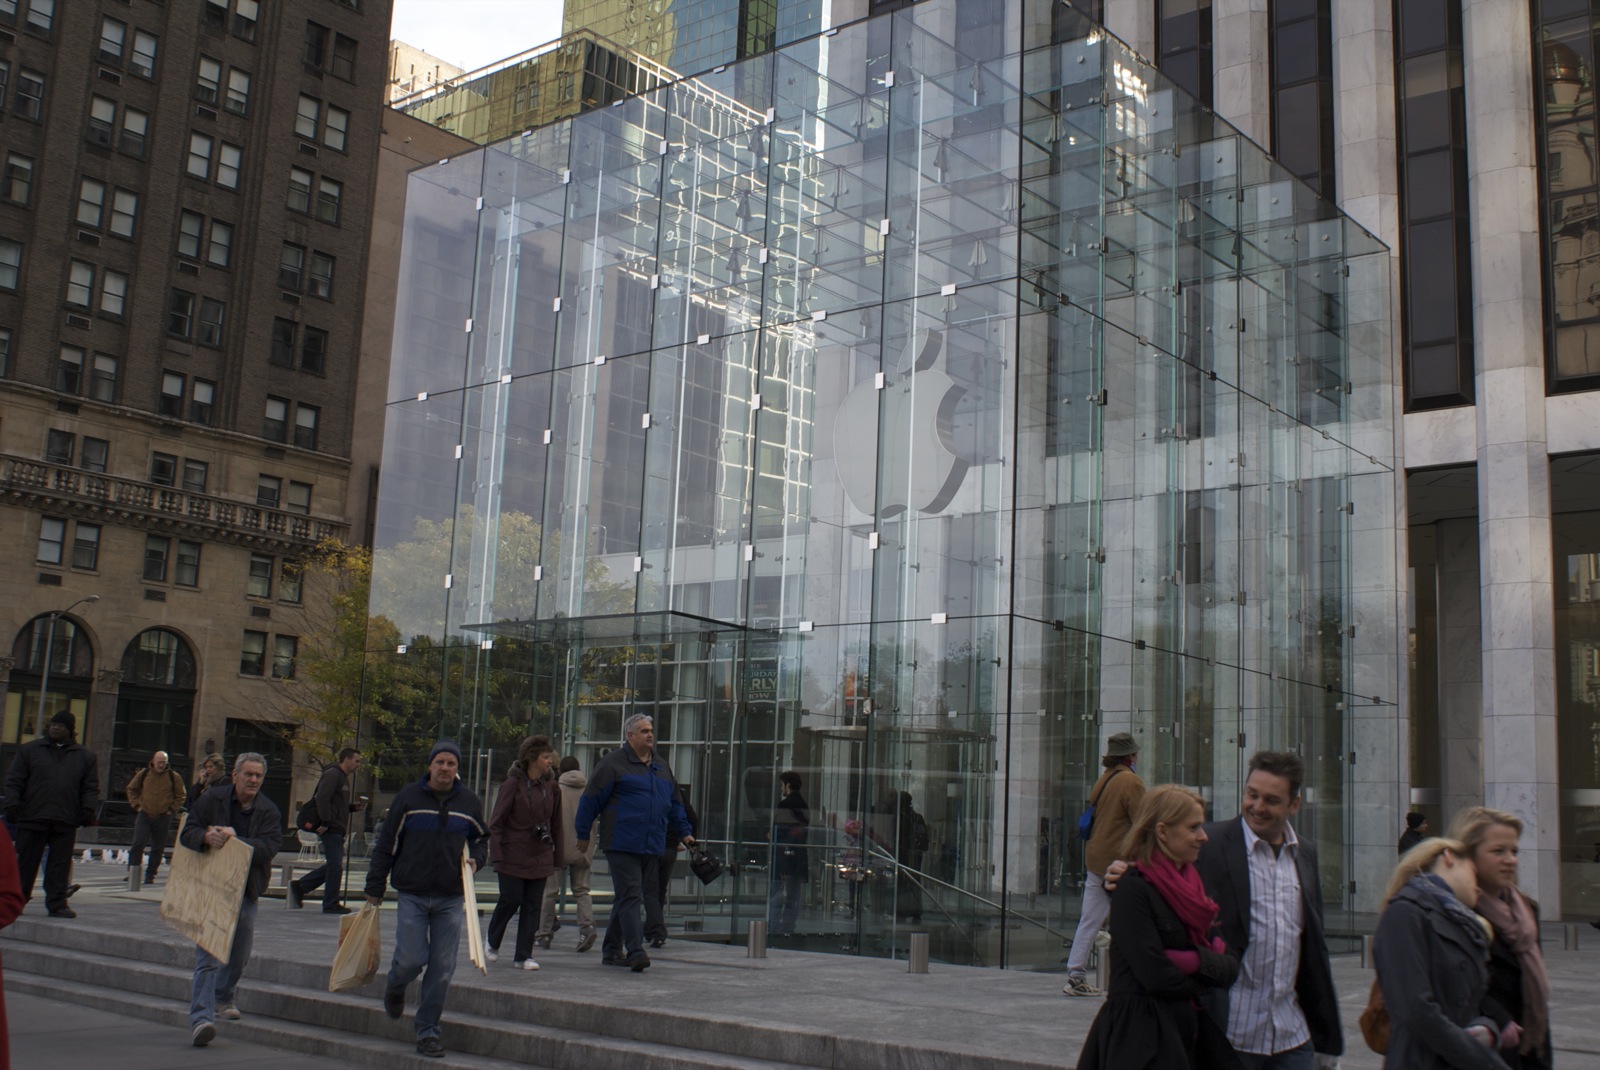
(912,407)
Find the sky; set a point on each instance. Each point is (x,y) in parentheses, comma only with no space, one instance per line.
(475,33)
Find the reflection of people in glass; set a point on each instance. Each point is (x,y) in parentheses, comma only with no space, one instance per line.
(911,843)
(852,863)
(791,822)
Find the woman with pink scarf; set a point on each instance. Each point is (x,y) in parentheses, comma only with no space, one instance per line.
(1519,988)
(1164,952)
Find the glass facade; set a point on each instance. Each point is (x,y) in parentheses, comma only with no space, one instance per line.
(910,414)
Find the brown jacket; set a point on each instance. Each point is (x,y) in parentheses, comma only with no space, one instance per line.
(156,795)
(1117,802)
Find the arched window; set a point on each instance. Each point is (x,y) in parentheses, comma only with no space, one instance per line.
(158,658)
(155,704)
(71,675)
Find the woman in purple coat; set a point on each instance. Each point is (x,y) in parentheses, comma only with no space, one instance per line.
(524,843)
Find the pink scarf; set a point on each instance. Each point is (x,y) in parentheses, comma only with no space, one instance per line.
(1515,924)
(1181,888)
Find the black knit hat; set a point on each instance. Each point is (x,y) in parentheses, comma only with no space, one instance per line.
(65,717)
(1414,820)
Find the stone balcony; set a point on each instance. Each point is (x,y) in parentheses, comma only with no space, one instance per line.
(59,488)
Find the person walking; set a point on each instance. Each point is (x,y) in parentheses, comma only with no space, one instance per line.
(52,790)
(634,796)
(791,868)
(1416,831)
(232,810)
(1431,953)
(1165,950)
(1116,796)
(155,792)
(525,839)
(213,771)
(334,807)
(431,823)
(578,864)
(1519,985)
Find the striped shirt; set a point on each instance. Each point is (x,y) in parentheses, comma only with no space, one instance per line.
(1264,1015)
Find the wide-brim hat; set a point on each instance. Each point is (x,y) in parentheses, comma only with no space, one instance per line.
(1120,745)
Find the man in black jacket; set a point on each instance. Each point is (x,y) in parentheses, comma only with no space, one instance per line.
(333,812)
(51,791)
(228,812)
(430,824)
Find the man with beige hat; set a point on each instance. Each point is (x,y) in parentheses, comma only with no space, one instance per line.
(1115,797)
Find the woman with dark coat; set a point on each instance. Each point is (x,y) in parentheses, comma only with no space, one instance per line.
(1164,951)
(525,835)
(1519,988)
(1432,955)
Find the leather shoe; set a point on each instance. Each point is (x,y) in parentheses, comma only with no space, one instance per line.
(638,961)
(72,890)
(339,909)
(430,1047)
(394,1002)
(612,960)
(63,912)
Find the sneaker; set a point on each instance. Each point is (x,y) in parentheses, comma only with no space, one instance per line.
(430,1047)
(203,1034)
(230,1011)
(586,941)
(638,962)
(337,908)
(1080,986)
(492,955)
(63,912)
(292,895)
(526,964)
(394,1002)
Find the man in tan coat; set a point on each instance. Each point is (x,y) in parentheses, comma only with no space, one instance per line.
(155,792)
(1115,798)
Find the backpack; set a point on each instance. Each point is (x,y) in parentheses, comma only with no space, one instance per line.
(308,819)
(1086,822)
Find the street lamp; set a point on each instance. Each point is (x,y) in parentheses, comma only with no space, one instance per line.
(49,650)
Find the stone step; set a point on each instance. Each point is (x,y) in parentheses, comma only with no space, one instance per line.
(354,1026)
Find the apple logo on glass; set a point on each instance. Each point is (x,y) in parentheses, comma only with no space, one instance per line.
(913,418)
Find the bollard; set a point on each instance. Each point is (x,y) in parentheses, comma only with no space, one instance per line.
(1366,954)
(756,946)
(918,956)
(134,878)
(1569,937)
(1102,960)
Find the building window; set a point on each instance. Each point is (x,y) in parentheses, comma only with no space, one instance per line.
(59,446)
(1302,92)
(52,540)
(268,489)
(156,550)
(313,351)
(135,125)
(329,193)
(1183,43)
(335,128)
(321,281)
(91,202)
(299,499)
(229,160)
(289,582)
(220,251)
(86,546)
(190,226)
(103,378)
(80,284)
(284,648)
(316,45)
(113,293)
(282,353)
(5,352)
(5,78)
(208,80)
(216,15)
(259,584)
(344,58)
(113,39)
(96,453)
(253,653)
(171,402)
(212,313)
(275,424)
(30,94)
(305,120)
(16,184)
(143,62)
(244,19)
(238,100)
(102,121)
(124,212)
(69,370)
(163,469)
(200,148)
(299,190)
(180,314)
(41,15)
(305,426)
(10,264)
(186,566)
(291,267)
(201,401)
(194,476)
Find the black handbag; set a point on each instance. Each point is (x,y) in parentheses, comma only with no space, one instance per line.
(308,819)
(706,866)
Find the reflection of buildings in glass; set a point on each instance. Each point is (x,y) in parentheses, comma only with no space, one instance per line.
(1570,162)
(1583,598)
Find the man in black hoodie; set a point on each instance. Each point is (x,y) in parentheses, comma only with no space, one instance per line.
(51,791)
(431,822)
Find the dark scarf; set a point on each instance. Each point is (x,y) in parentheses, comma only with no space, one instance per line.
(1441,893)
(1180,886)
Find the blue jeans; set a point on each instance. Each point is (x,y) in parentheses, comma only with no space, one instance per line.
(330,875)
(427,933)
(629,875)
(1301,1058)
(216,981)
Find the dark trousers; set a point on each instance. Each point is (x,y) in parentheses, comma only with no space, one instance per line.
(655,908)
(523,898)
(631,874)
(152,832)
(31,844)
(330,875)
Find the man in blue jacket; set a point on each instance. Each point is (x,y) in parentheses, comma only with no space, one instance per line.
(430,824)
(634,795)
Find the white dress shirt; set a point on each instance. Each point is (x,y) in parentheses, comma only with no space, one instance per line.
(1264,1015)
